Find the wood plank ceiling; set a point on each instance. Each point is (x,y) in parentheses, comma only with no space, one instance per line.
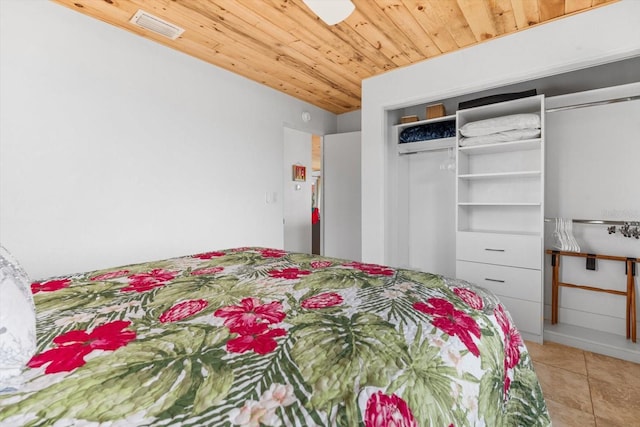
(282,44)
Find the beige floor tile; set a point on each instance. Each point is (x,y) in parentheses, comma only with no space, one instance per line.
(582,388)
(607,368)
(603,422)
(559,356)
(617,402)
(564,416)
(564,387)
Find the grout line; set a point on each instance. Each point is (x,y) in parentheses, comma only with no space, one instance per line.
(595,418)
(586,375)
(593,408)
(560,404)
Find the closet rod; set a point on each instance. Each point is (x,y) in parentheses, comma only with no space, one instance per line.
(598,221)
(592,104)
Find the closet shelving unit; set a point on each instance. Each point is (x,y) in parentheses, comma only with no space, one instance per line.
(500,215)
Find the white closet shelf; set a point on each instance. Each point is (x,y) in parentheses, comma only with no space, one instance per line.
(423,122)
(498,204)
(498,175)
(428,145)
(500,232)
(503,147)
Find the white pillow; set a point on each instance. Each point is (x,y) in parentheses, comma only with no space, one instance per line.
(17,320)
(501,124)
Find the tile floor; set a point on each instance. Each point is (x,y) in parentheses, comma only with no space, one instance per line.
(584,389)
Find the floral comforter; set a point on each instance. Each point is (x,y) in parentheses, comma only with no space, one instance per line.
(256,336)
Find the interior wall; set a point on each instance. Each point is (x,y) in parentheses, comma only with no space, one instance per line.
(341,215)
(564,45)
(350,122)
(115,149)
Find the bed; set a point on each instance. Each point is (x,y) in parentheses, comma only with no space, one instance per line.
(258,336)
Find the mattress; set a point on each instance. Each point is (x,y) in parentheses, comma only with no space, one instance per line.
(257,336)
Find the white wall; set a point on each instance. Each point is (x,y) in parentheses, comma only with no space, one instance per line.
(340,212)
(350,122)
(559,46)
(115,149)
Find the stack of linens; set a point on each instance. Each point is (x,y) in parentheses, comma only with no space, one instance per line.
(514,127)
(428,131)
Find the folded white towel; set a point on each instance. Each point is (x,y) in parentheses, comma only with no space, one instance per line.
(501,124)
(506,136)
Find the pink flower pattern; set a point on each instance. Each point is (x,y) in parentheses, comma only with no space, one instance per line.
(451,321)
(388,411)
(250,313)
(272,253)
(327,299)
(320,264)
(252,321)
(183,310)
(110,275)
(209,255)
(260,339)
(372,269)
(289,273)
(71,347)
(206,271)
(50,285)
(512,342)
(146,281)
(472,299)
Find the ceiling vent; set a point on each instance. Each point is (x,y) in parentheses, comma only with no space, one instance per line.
(157,25)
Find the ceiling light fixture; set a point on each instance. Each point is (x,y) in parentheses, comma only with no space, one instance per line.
(331,11)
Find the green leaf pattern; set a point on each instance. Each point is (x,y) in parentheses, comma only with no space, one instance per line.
(369,339)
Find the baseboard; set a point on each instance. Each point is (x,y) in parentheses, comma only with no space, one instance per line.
(591,340)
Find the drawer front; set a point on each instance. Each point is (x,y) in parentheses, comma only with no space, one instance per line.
(526,315)
(503,249)
(512,282)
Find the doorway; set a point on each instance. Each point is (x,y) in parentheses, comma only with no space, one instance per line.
(302,192)
(316,194)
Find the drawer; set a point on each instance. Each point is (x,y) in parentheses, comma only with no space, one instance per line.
(516,250)
(512,282)
(526,315)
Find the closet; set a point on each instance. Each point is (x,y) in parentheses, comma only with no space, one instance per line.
(485,221)
(474,208)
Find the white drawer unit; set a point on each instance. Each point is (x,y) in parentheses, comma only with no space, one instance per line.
(500,207)
(511,282)
(503,249)
(526,315)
